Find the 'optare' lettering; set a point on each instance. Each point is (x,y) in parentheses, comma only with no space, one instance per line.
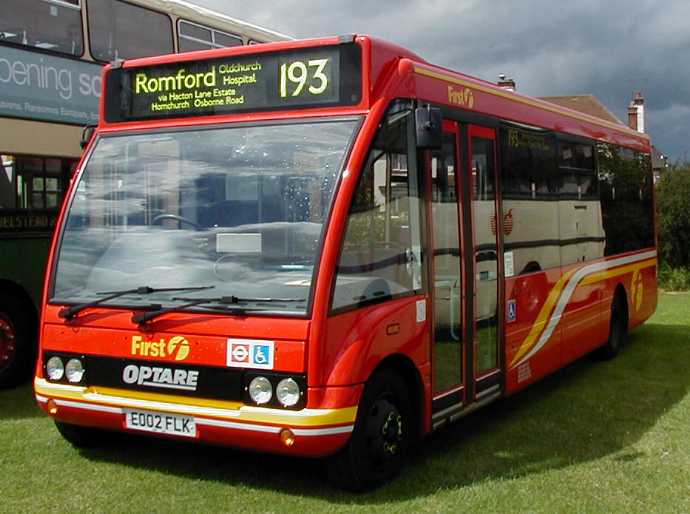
(154,376)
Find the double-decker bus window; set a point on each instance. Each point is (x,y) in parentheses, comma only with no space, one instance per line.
(39,181)
(52,183)
(8,178)
(223,40)
(380,256)
(193,36)
(30,192)
(118,30)
(45,24)
(530,185)
(33,183)
(626,198)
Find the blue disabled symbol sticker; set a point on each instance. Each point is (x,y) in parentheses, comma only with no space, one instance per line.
(512,311)
(262,354)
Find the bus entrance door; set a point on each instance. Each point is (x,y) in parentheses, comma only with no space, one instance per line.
(465,270)
(485,228)
(447,277)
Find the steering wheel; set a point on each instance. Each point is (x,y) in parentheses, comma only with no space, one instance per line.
(177,218)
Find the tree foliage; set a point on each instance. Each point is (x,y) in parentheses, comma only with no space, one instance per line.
(673,206)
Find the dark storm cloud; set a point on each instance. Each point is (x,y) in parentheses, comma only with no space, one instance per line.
(609,49)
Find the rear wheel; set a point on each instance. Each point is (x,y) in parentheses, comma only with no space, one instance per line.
(81,437)
(381,438)
(618,330)
(17,348)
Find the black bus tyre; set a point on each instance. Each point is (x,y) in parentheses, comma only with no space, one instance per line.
(17,344)
(381,438)
(81,437)
(618,330)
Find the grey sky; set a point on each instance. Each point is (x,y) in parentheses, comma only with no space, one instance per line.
(551,47)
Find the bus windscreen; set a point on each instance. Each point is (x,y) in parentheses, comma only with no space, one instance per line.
(312,77)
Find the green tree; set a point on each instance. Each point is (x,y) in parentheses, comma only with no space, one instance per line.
(673,206)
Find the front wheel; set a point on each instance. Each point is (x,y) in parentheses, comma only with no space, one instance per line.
(381,437)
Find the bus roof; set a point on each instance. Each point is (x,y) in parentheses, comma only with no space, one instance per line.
(386,70)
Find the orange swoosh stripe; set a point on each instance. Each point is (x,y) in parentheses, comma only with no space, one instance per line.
(542,318)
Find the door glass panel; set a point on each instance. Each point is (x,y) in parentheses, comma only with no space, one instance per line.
(486,260)
(446,266)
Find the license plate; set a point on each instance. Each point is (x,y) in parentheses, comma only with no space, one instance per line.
(160,423)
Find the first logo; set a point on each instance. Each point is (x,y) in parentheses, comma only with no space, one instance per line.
(177,347)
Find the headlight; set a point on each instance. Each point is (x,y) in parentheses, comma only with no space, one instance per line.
(287,392)
(74,370)
(55,368)
(260,390)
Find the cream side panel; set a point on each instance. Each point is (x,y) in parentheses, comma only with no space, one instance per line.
(39,138)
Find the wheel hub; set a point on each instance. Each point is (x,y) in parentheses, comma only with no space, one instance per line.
(386,432)
(8,342)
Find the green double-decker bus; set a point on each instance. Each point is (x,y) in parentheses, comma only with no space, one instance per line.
(51,53)
(30,192)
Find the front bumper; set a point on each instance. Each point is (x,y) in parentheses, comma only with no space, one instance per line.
(317,432)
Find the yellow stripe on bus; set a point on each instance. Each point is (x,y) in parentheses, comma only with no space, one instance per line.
(542,318)
(555,295)
(235,411)
(616,272)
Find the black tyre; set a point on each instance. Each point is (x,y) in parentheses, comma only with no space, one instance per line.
(618,330)
(17,341)
(82,437)
(381,437)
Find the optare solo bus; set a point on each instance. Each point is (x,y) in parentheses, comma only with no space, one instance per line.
(364,249)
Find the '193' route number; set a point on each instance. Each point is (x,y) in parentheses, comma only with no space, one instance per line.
(297,74)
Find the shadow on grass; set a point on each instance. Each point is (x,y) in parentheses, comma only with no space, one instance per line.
(586,411)
(18,403)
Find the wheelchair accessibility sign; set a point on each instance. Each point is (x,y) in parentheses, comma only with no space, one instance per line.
(511,314)
(250,353)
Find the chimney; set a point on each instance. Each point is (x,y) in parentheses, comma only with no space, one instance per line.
(636,113)
(504,83)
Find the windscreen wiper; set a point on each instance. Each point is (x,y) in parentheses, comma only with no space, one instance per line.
(231,302)
(69,312)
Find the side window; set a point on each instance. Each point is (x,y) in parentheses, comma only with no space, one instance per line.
(8,183)
(626,186)
(49,25)
(193,36)
(576,169)
(31,189)
(381,253)
(530,185)
(529,162)
(581,232)
(121,30)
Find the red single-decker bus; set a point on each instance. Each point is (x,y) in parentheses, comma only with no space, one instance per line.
(331,248)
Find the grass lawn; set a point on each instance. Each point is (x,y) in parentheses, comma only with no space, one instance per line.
(596,437)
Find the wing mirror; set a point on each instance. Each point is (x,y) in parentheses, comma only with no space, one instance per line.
(86,135)
(429,127)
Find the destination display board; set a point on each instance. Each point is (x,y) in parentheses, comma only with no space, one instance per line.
(310,77)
